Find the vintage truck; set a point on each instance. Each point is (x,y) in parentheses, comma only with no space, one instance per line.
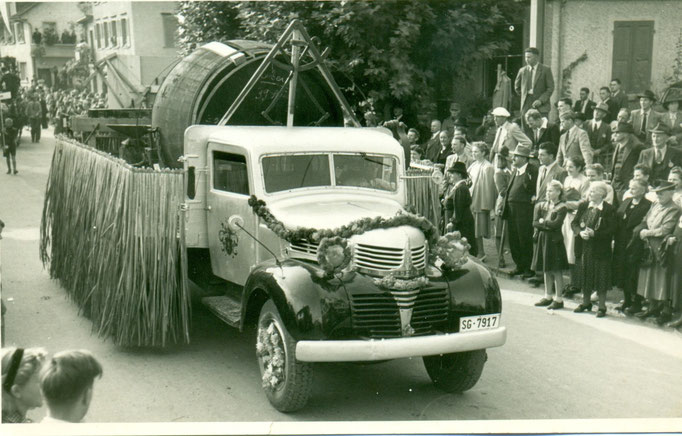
(366,287)
(299,233)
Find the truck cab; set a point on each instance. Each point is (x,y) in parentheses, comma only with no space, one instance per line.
(308,239)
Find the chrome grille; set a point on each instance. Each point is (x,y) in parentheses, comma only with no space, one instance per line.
(419,257)
(304,247)
(378,258)
(377,315)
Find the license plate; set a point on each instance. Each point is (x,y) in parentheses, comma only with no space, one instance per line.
(479,322)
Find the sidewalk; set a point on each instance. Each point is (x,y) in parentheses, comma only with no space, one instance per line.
(613,297)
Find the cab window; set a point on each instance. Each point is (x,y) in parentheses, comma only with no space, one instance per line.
(282,173)
(229,173)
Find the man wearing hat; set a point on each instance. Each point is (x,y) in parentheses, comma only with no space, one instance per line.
(661,158)
(673,116)
(508,134)
(574,141)
(599,134)
(534,83)
(627,149)
(518,210)
(645,118)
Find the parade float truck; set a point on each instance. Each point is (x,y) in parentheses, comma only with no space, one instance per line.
(303,235)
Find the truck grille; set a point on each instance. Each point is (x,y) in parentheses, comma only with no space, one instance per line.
(304,247)
(384,260)
(377,316)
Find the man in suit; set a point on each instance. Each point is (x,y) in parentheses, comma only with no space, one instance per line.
(574,141)
(673,116)
(431,147)
(661,158)
(625,157)
(617,94)
(605,95)
(584,106)
(534,83)
(539,130)
(599,134)
(518,209)
(549,169)
(508,134)
(645,118)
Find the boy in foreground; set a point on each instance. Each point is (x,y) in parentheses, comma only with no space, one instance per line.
(67,382)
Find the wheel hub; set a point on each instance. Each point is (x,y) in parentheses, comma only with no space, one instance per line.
(271,353)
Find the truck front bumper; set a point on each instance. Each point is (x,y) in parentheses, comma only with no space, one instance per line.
(386,349)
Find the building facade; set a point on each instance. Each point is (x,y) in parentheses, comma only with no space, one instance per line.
(589,42)
(133,46)
(38,58)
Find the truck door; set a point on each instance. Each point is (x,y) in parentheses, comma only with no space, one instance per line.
(233,252)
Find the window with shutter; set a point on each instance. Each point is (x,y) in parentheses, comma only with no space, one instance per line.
(632,50)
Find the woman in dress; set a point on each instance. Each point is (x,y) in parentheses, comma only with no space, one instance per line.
(593,225)
(21,382)
(550,252)
(502,177)
(576,186)
(654,274)
(458,205)
(627,247)
(483,194)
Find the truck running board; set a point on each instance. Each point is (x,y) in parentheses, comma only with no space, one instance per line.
(226,308)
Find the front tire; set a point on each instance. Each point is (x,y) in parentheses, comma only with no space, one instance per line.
(456,372)
(287,382)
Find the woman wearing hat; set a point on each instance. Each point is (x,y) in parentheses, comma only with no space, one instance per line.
(21,382)
(658,224)
(457,203)
(673,116)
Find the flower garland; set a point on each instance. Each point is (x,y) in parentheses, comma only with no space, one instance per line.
(333,254)
(390,282)
(346,231)
(452,249)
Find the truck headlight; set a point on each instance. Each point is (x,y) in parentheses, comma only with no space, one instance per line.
(333,254)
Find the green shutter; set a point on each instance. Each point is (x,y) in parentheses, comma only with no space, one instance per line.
(632,50)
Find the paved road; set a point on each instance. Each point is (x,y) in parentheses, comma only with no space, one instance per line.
(554,366)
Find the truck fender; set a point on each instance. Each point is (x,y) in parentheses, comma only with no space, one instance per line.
(308,302)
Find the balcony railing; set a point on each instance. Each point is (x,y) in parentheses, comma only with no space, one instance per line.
(53,51)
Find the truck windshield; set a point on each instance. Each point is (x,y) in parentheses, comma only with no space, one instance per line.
(359,170)
(282,173)
(364,170)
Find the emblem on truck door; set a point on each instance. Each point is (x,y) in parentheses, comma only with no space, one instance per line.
(229,240)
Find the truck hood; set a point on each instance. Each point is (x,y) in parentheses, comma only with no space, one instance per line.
(332,214)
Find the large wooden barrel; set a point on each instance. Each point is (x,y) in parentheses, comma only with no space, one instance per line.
(201,87)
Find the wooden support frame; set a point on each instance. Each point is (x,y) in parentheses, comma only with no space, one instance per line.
(296,34)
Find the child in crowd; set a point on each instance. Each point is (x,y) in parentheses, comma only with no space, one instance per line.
(67,383)
(550,252)
(20,382)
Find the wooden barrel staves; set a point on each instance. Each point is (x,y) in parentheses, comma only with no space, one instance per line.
(203,85)
(422,194)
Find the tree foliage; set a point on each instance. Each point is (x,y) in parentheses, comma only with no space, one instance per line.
(382,52)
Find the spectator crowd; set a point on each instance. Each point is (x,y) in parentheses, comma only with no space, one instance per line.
(597,195)
(36,107)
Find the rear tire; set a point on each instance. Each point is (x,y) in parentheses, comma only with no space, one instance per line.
(456,372)
(287,382)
